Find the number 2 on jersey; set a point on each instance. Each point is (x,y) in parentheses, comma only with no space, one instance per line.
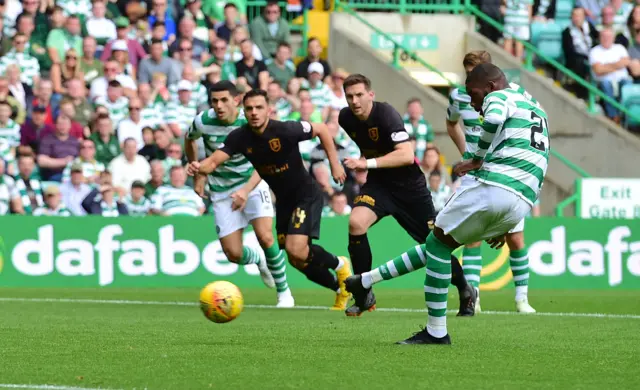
(539,128)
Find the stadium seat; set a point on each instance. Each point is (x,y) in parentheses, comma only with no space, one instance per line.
(563,9)
(549,39)
(630,99)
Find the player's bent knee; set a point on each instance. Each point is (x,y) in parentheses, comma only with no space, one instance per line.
(297,253)
(360,221)
(265,239)
(515,241)
(234,255)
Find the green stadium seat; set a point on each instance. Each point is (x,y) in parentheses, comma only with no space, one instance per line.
(563,9)
(549,40)
(630,99)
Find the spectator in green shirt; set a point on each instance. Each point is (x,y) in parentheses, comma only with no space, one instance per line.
(280,68)
(418,127)
(217,64)
(215,9)
(269,29)
(62,39)
(90,67)
(107,147)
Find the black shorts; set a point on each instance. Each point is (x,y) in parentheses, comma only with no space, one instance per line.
(413,209)
(299,215)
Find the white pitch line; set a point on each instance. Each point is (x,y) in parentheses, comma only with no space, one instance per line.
(381,309)
(46,387)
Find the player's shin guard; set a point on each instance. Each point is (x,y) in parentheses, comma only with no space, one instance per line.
(321,276)
(360,253)
(519,262)
(277,264)
(321,258)
(411,260)
(436,285)
(249,256)
(472,265)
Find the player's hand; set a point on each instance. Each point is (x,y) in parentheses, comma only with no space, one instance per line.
(193,168)
(461,168)
(198,185)
(355,163)
(239,199)
(497,242)
(338,173)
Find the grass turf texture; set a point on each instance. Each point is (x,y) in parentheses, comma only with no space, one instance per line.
(174,347)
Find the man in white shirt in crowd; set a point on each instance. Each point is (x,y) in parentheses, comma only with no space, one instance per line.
(132,126)
(129,167)
(75,190)
(609,63)
(112,71)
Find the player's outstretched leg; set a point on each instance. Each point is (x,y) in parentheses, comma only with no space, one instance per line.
(410,261)
(472,266)
(436,288)
(519,262)
(315,263)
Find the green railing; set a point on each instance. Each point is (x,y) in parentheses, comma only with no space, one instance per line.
(399,49)
(464,6)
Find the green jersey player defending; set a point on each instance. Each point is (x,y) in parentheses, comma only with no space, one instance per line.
(233,204)
(506,184)
(466,139)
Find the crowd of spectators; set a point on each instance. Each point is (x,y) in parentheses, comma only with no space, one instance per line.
(95,97)
(600,42)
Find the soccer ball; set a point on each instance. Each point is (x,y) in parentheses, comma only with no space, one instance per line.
(221,301)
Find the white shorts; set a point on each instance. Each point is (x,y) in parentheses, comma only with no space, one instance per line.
(518,31)
(478,212)
(259,205)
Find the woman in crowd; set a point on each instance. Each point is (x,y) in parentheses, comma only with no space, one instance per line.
(69,69)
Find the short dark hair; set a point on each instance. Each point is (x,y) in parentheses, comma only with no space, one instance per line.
(284,44)
(356,79)
(156,41)
(158,23)
(115,84)
(102,116)
(271,3)
(230,5)
(255,93)
(147,128)
(224,85)
(73,16)
(435,173)
(5,103)
(18,35)
(336,194)
(312,39)
(485,72)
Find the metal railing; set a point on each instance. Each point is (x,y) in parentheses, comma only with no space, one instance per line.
(399,49)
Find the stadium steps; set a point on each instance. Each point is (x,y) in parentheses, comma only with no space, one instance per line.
(586,140)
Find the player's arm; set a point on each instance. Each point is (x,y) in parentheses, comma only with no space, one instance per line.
(209,164)
(191,150)
(453,121)
(321,131)
(495,114)
(240,196)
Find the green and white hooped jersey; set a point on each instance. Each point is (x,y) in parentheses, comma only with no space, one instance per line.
(517,13)
(137,209)
(460,107)
(515,143)
(118,110)
(237,170)
(177,201)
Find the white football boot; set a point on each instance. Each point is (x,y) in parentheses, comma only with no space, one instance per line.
(285,300)
(523,306)
(265,274)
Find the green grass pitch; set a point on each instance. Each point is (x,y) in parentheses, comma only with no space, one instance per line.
(70,338)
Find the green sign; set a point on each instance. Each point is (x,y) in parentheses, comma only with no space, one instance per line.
(409,41)
(183,251)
